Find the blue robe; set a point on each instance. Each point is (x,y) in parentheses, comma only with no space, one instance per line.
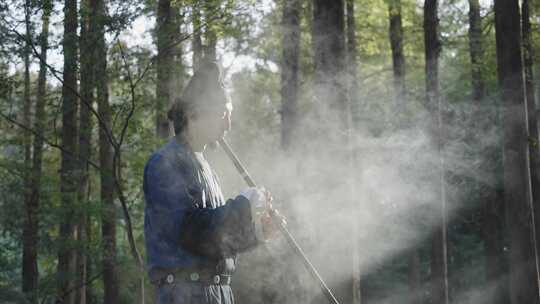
(188,224)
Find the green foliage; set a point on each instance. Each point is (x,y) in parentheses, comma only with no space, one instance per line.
(244,28)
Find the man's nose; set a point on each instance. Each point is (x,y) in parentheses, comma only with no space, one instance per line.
(228,122)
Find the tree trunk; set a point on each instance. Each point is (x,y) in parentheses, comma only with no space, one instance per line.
(31,226)
(289,71)
(196,42)
(332,111)
(30,234)
(330,54)
(439,267)
(69,163)
(108,215)
(528,56)
(517,186)
(490,195)
(165,64)
(353,100)
(352,66)
(476,49)
(398,58)
(178,67)
(211,10)
(85,138)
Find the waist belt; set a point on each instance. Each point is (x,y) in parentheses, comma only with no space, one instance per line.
(164,276)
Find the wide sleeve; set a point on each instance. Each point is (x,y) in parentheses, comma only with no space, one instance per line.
(219,232)
(213,233)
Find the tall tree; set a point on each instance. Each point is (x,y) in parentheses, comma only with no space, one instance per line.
(196,42)
(328,38)
(179,67)
(87,58)
(29,263)
(165,65)
(395,31)
(530,90)
(211,10)
(108,215)
(490,194)
(395,34)
(353,100)
(332,108)
(439,270)
(352,55)
(289,70)
(476,50)
(30,234)
(69,162)
(517,186)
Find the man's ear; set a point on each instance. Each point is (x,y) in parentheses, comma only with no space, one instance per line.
(210,73)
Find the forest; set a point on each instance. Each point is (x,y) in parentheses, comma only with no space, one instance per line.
(399,138)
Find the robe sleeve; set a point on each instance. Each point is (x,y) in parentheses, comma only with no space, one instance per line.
(214,233)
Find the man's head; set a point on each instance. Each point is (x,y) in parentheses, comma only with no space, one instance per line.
(204,107)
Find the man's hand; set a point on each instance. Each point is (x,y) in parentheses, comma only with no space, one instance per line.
(265,217)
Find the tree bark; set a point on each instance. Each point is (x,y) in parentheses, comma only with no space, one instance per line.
(439,267)
(398,58)
(179,67)
(165,61)
(69,163)
(330,54)
(332,114)
(289,71)
(211,8)
(30,273)
(88,59)
(517,186)
(490,195)
(352,66)
(528,55)
(108,214)
(353,101)
(196,42)
(68,187)
(476,49)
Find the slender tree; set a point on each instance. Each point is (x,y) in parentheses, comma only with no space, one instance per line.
(395,31)
(179,67)
(395,34)
(332,109)
(490,195)
(29,263)
(210,8)
(352,55)
(439,270)
(30,272)
(353,100)
(196,42)
(530,88)
(517,186)
(165,61)
(328,38)
(289,70)
(107,190)
(87,58)
(69,164)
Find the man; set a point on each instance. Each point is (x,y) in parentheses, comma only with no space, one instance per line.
(192,234)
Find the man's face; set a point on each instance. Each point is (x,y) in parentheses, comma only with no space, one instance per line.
(214,119)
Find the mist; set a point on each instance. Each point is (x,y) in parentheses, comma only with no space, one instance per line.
(376,207)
